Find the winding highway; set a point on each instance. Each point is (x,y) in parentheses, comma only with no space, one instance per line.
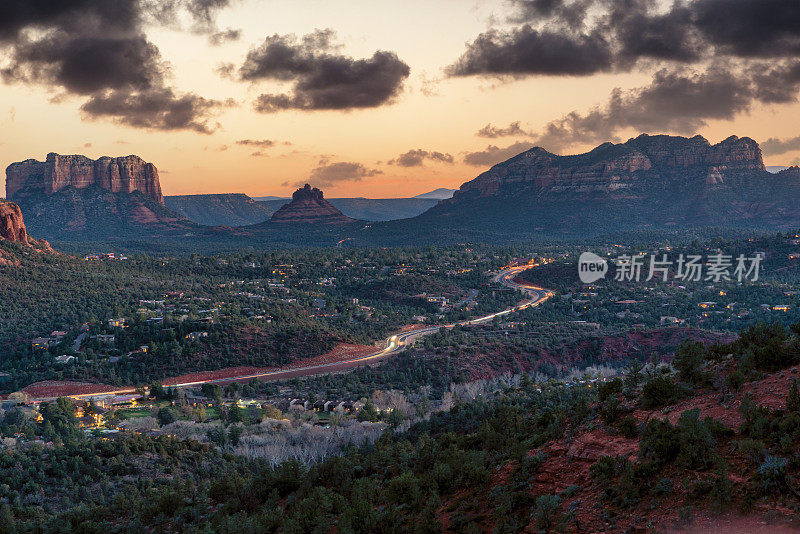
(395,343)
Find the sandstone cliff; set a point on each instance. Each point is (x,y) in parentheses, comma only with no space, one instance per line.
(12,227)
(612,168)
(123,174)
(308,206)
(646,183)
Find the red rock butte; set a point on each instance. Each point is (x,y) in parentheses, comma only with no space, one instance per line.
(308,206)
(12,227)
(119,175)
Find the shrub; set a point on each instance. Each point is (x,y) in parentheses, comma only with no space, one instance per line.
(546,510)
(167,415)
(663,487)
(607,390)
(660,443)
(628,427)
(771,474)
(660,391)
(696,441)
(689,360)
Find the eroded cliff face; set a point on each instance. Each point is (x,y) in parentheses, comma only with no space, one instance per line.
(620,168)
(308,206)
(12,227)
(123,174)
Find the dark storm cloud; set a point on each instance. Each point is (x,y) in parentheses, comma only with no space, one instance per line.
(716,59)
(98,49)
(676,100)
(493,132)
(493,154)
(66,15)
(322,77)
(342,171)
(776,147)
(160,109)
(417,157)
(639,33)
(526,51)
(571,14)
(762,28)
(584,37)
(85,64)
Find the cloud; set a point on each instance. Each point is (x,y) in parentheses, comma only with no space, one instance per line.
(776,147)
(492,132)
(750,28)
(571,14)
(493,154)
(526,50)
(640,34)
(204,13)
(328,174)
(224,36)
(584,37)
(416,158)
(260,143)
(97,49)
(86,64)
(678,100)
(159,109)
(322,78)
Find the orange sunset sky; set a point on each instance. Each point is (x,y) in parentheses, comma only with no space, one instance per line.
(356,150)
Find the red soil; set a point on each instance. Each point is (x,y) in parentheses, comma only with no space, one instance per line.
(53,388)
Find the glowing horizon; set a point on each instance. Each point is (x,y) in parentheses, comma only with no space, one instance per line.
(433,111)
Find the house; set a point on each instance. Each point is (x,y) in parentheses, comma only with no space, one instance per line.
(301,403)
(64,358)
(667,319)
(319,406)
(41,343)
(782,307)
(116,323)
(194,336)
(441,301)
(58,335)
(197,400)
(706,305)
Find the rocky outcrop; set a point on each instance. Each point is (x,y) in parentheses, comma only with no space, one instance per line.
(647,183)
(12,227)
(610,168)
(118,175)
(308,206)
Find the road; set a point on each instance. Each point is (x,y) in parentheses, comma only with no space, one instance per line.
(395,343)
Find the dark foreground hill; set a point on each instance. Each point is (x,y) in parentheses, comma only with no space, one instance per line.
(708,445)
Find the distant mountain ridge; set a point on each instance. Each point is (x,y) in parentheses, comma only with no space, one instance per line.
(648,182)
(437,194)
(228,209)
